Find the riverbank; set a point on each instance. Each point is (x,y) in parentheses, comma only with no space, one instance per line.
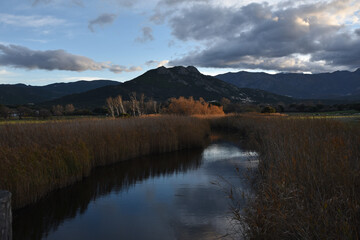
(38,158)
(308,185)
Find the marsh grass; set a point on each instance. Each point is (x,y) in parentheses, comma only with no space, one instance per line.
(308,185)
(37,158)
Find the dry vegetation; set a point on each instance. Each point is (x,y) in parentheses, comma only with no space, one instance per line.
(189,106)
(308,185)
(38,158)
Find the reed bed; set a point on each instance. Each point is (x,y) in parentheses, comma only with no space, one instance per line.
(38,158)
(308,183)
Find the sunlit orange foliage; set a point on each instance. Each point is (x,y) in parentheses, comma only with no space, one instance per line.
(189,106)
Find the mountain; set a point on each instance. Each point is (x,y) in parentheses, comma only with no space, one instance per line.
(23,94)
(163,83)
(339,84)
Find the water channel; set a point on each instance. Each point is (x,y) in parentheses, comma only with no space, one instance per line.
(171,196)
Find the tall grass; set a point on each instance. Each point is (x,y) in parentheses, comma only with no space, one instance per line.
(309,178)
(38,158)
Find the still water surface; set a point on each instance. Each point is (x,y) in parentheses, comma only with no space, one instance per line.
(172,196)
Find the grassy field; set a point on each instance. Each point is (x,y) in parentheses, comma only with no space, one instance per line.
(27,120)
(37,158)
(346,116)
(308,183)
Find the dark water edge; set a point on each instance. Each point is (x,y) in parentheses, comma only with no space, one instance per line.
(169,196)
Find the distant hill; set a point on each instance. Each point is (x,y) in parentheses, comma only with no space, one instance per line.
(23,94)
(163,83)
(336,85)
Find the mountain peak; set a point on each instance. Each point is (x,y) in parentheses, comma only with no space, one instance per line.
(162,70)
(192,69)
(178,70)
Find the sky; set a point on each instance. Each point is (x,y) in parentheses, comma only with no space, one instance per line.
(47,41)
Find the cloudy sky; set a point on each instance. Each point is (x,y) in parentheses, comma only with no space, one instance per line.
(46,41)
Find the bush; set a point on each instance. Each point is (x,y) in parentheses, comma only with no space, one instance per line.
(184,106)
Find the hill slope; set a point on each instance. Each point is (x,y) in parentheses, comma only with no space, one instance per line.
(163,83)
(338,84)
(22,94)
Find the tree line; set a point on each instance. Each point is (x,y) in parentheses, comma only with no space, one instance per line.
(139,104)
(21,112)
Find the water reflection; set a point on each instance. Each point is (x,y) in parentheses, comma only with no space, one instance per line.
(163,197)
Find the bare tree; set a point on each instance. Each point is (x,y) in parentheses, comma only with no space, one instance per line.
(44,113)
(69,108)
(24,111)
(142,104)
(116,107)
(4,111)
(134,104)
(110,106)
(151,106)
(58,110)
(119,105)
(127,106)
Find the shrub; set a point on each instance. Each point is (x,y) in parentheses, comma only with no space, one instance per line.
(184,106)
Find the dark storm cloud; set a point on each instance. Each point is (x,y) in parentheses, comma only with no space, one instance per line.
(340,50)
(22,57)
(268,37)
(102,20)
(357,31)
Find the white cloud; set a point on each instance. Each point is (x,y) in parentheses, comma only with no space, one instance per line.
(4,72)
(163,63)
(34,21)
(120,69)
(37,40)
(152,63)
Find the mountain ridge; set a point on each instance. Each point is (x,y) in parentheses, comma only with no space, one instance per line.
(335,85)
(24,94)
(163,83)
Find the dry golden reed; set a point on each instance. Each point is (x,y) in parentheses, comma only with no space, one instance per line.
(308,185)
(38,158)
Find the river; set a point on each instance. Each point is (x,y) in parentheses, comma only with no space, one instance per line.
(179,195)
